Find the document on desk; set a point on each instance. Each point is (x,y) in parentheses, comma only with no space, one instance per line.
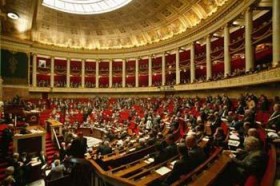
(163,170)
(149,160)
(133,149)
(173,163)
(205,139)
(47,172)
(234,137)
(233,143)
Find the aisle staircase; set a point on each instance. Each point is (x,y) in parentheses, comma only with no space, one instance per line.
(51,148)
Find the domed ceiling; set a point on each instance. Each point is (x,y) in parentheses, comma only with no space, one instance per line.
(138,23)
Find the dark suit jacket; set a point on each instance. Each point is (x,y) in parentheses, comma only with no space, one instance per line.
(78,147)
(180,167)
(196,156)
(253,164)
(104,150)
(170,151)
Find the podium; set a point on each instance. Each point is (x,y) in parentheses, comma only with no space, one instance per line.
(54,125)
(33,142)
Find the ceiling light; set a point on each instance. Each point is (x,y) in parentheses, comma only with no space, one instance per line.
(13,15)
(85,7)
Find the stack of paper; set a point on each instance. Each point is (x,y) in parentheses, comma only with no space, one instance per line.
(163,170)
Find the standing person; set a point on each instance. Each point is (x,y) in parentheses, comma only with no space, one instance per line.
(7,137)
(79,146)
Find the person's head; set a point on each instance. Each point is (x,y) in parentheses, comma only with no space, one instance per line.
(276,107)
(182,149)
(159,147)
(15,155)
(56,162)
(10,170)
(24,155)
(106,143)
(10,126)
(190,141)
(251,143)
(80,134)
(169,139)
(253,132)
(219,131)
(246,125)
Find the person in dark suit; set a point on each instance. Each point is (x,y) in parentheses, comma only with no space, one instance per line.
(216,122)
(43,158)
(171,149)
(158,154)
(196,153)
(180,167)
(79,146)
(63,151)
(254,163)
(104,148)
(274,120)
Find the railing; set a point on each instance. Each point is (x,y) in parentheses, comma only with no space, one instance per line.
(56,139)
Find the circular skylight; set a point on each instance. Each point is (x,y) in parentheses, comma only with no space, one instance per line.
(86,7)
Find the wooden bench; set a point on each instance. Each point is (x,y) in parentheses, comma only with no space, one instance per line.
(188,177)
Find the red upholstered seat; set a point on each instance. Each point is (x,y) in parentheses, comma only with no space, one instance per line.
(252,181)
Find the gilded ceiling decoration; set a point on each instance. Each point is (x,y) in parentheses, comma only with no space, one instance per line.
(139,23)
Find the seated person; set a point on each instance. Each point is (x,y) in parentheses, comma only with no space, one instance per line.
(24,129)
(274,120)
(158,154)
(171,149)
(196,153)
(104,148)
(180,167)
(57,171)
(254,163)
(9,178)
(219,137)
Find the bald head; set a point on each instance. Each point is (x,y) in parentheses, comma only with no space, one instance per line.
(253,132)
(190,141)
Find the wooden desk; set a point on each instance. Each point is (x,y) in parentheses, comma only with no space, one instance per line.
(54,124)
(32,142)
(149,175)
(93,132)
(131,167)
(209,176)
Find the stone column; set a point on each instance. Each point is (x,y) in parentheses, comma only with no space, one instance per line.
(276,32)
(123,73)
(208,58)
(68,73)
(163,67)
(227,57)
(249,52)
(52,72)
(137,73)
(83,73)
(97,74)
(192,65)
(177,67)
(150,71)
(110,73)
(34,70)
